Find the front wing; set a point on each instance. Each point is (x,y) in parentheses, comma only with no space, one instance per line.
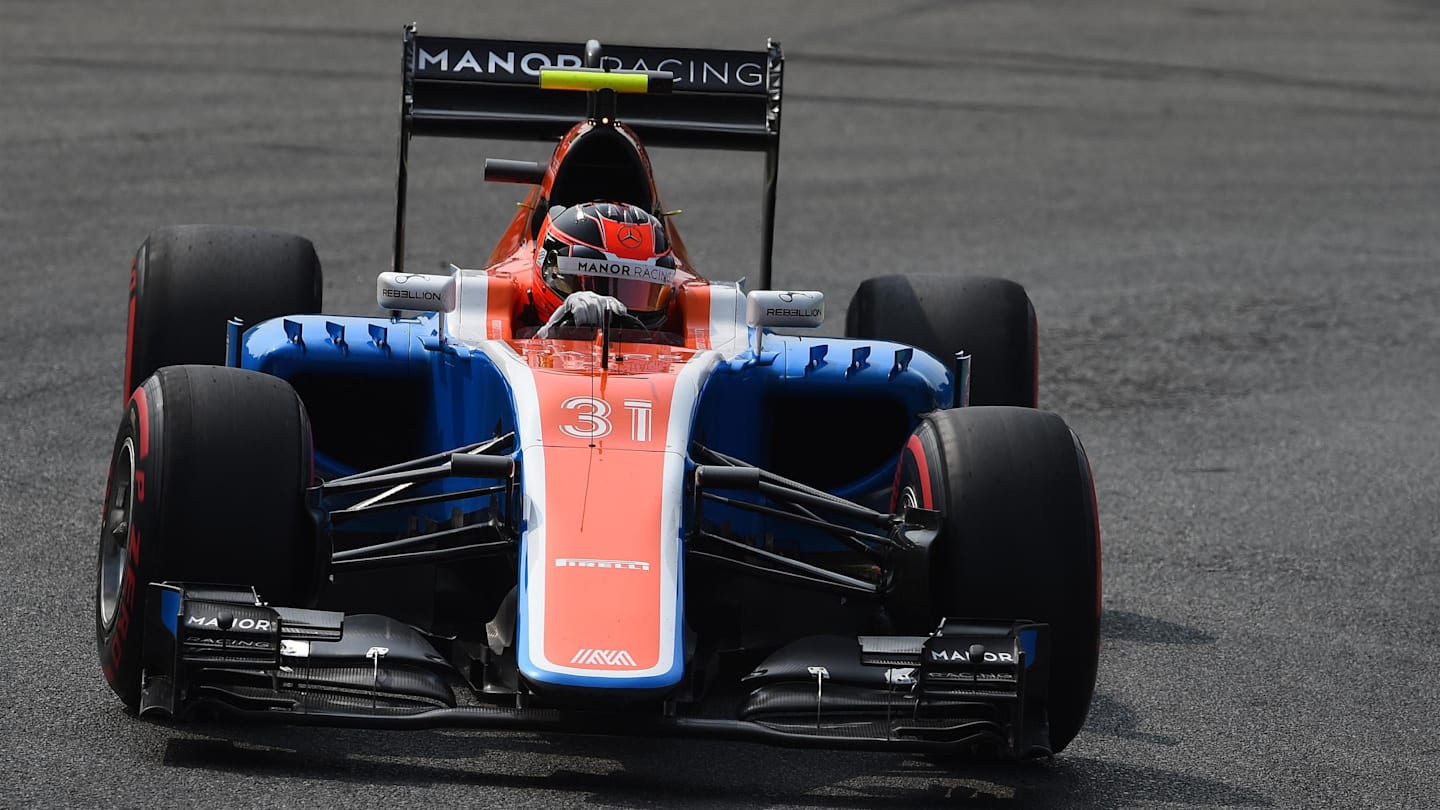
(968,685)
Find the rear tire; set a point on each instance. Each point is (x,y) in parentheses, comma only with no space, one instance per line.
(991,319)
(1019,537)
(187,281)
(207,484)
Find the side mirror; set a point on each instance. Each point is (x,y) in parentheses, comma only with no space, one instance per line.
(415,291)
(803,309)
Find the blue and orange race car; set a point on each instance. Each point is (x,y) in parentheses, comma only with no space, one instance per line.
(688,517)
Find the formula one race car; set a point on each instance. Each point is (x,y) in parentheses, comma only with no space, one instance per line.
(480,510)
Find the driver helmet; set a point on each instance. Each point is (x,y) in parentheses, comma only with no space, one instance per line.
(611,248)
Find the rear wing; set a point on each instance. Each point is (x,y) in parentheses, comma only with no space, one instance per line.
(490,88)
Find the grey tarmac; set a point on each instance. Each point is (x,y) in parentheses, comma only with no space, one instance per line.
(1226,212)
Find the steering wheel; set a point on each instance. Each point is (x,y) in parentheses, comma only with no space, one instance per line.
(617,320)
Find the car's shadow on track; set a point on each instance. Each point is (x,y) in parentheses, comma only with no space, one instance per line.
(626,772)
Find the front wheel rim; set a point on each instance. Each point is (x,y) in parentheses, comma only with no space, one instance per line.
(908,498)
(115,532)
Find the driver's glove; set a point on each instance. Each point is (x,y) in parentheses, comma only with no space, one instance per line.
(584,308)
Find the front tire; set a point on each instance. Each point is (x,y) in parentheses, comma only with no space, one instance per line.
(207,484)
(991,319)
(1019,537)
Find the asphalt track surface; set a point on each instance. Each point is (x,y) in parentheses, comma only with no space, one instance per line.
(1228,216)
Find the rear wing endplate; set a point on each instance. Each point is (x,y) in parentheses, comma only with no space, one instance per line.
(490,88)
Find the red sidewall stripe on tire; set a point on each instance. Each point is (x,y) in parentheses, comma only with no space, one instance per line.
(142,409)
(922,469)
(116,650)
